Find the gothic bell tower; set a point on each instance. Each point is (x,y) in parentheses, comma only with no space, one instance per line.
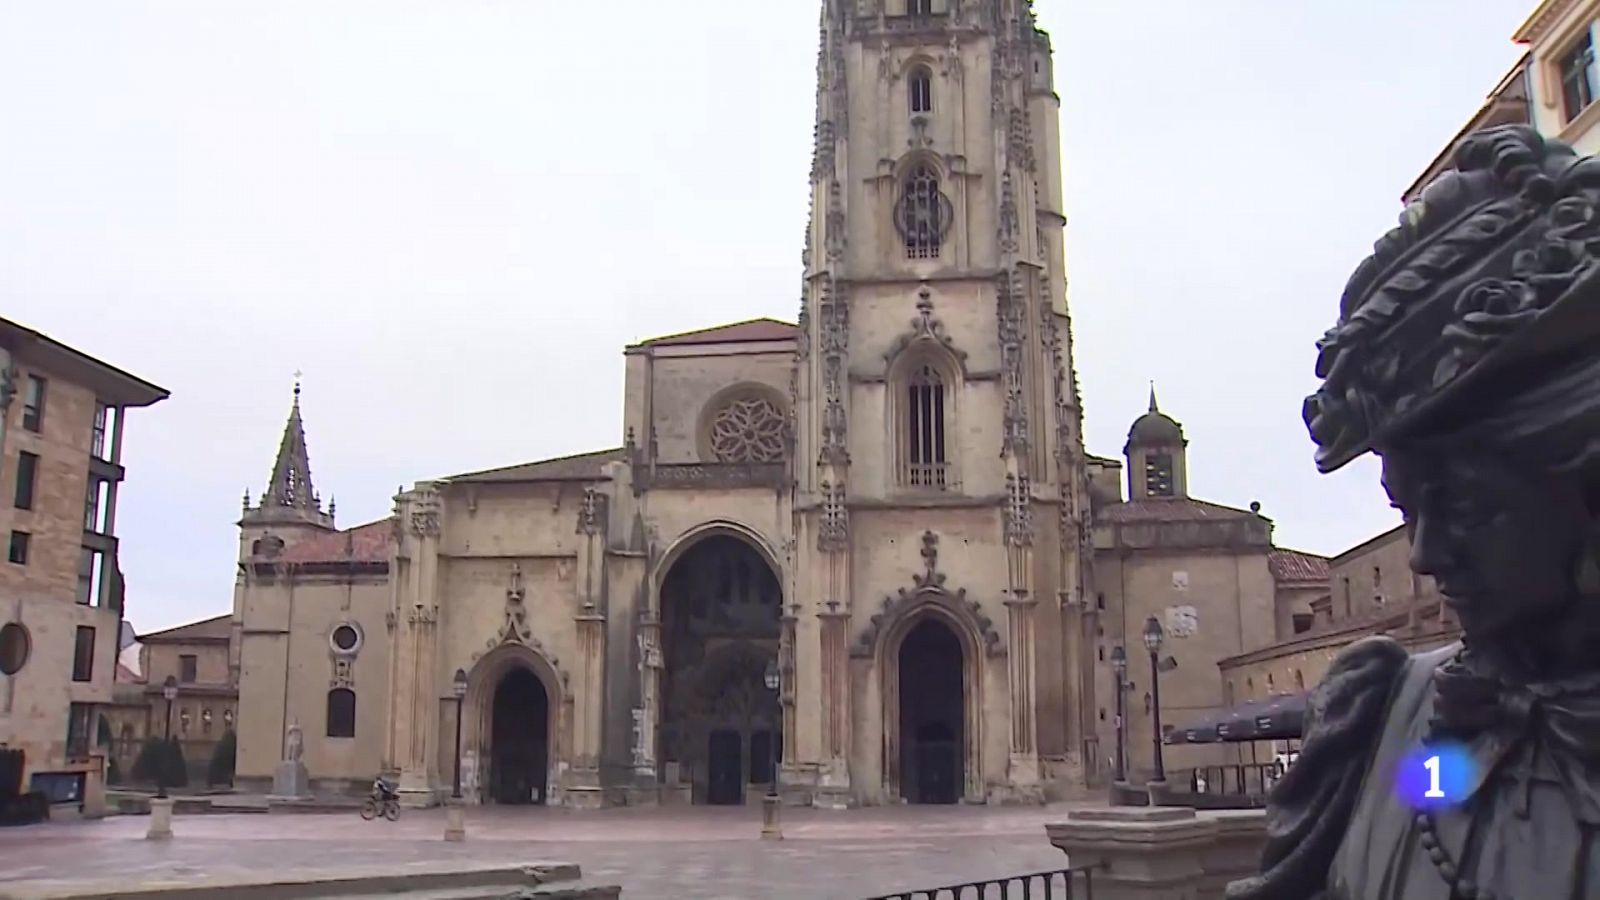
(936,408)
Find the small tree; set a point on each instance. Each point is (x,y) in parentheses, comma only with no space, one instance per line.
(149,764)
(220,771)
(177,768)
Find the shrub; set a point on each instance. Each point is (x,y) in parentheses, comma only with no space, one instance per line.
(177,767)
(220,771)
(149,761)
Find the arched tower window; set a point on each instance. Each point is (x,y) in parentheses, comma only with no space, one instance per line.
(920,86)
(341,713)
(927,460)
(1158,480)
(920,213)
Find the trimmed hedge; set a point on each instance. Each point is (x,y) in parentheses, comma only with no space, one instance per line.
(161,761)
(220,769)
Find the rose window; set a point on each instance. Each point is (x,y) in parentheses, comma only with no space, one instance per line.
(747,430)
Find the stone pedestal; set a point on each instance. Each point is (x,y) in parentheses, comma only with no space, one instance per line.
(160,820)
(291,781)
(455,821)
(772,818)
(1157,853)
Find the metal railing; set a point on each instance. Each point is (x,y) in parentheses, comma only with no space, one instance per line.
(1059,884)
(1247,783)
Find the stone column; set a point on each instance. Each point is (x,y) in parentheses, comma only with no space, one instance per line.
(419,617)
(1021,656)
(583,783)
(648,713)
(1161,853)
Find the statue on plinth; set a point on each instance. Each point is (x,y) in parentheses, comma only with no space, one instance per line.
(1467,357)
(290,780)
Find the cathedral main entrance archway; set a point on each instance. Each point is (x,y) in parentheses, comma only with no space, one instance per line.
(932,709)
(721,603)
(519,739)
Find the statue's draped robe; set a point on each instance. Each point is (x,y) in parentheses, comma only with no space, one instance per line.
(1339,830)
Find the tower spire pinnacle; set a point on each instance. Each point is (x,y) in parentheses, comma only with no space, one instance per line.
(1153,407)
(290,495)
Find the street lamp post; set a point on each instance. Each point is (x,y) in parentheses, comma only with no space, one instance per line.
(459,686)
(169,691)
(1153,636)
(1119,669)
(771,826)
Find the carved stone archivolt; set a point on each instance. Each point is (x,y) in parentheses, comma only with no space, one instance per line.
(928,586)
(925,329)
(516,630)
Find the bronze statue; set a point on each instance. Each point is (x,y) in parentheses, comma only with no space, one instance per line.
(1467,357)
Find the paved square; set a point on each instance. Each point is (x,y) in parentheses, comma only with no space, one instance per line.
(699,852)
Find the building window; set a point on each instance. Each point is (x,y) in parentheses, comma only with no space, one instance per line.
(83,654)
(919,7)
(188,668)
(205,720)
(15,646)
(1578,81)
(227,719)
(91,565)
(79,715)
(27,477)
(183,721)
(920,86)
(922,214)
(33,404)
(341,713)
(18,552)
(1345,583)
(1158,475)
(1102,653)
(1100,601)
(97,438)
(96,505)
(927,464)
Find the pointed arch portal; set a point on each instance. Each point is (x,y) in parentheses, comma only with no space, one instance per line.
(721,603)
(932,696)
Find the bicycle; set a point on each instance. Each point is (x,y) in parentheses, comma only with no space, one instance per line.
(388,808)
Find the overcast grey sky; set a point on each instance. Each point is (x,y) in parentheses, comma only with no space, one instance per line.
(452,215)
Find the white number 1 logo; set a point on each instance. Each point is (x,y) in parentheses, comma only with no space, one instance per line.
(1432,765)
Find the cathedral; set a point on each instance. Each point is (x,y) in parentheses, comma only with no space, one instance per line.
(849,555)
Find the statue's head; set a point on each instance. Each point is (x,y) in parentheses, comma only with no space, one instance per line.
(1467,357)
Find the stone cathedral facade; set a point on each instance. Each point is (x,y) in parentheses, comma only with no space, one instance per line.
(883,509)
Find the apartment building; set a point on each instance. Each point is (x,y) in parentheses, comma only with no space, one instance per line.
(61,427)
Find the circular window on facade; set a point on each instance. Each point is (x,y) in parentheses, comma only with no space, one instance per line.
(15,645)
(746,428)
(345,638)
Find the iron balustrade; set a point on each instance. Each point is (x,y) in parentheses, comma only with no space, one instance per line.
(1244,780)
(1059,884)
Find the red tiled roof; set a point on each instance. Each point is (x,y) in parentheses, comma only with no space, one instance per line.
(1174,509)
(736,333)
(578,467)
(1297,566)
(367,543)
(206,629)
